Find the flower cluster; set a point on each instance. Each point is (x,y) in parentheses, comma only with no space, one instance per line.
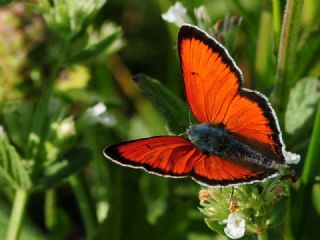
(244,209)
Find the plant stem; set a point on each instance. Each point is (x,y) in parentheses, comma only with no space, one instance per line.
(311,165)
(17,214)
(85,203)
(50,209)
(276,22)
(286,57)
(262,235)
(263,50)
(40,120)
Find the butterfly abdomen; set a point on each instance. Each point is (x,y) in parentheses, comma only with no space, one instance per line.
(216,140)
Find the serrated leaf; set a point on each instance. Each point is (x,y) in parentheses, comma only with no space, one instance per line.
(54,174)
(175,111)
(95,49)
(12,169)
(302,104)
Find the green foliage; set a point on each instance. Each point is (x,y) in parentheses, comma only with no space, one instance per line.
(172,108)
(302,104)
(13,171)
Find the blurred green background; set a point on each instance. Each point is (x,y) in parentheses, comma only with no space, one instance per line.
(66,92)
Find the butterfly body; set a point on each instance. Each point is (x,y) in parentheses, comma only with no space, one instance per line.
(217,141)
(237,139)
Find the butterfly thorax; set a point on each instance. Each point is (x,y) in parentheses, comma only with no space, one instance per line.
(216,140)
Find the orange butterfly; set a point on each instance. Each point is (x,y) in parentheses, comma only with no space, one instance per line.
(237,139)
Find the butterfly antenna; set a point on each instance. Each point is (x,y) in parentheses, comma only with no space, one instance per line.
(184,133)
(189,115)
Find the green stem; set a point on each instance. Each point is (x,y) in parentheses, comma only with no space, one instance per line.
(276,22)
(263,49)
(17,214)
(311,165)
(40,120)
(50,209)
(85,203)
(288,217)
(262,235)
(286,57)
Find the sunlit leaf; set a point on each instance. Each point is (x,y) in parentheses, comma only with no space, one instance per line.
(214,225)
(302,104)
(12,168)
(175,111)
(18,119)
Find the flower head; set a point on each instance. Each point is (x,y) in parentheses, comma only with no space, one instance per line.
(98,109)
(235,226)
(176,14)
(98,114)
(2,133)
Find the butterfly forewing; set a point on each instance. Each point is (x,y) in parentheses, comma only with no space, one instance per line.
(213,89)
(165,155)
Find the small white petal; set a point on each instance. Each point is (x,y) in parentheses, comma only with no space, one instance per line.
(235,226)
(2,133)
(291,158)
(107,120)
(67,128)
(97,109)
(176,14)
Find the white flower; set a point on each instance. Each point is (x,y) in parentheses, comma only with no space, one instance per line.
(97,109)
(176,14)
(66,128)
(235,226)
(98,114)
(291,158)
(2,133)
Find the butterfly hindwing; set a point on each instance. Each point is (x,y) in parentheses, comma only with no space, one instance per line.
(213,90)
(214,170)
(177,157)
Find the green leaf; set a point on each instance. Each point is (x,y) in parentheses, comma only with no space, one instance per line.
(18,119)
(215,226)
(276,213)
(12,169)
(308,54)
(302,105)
(174,110)
(96,48)
(74,160)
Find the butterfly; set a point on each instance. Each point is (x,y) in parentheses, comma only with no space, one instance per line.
(236,139)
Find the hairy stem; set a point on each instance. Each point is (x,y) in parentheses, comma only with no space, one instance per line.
(286,58)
